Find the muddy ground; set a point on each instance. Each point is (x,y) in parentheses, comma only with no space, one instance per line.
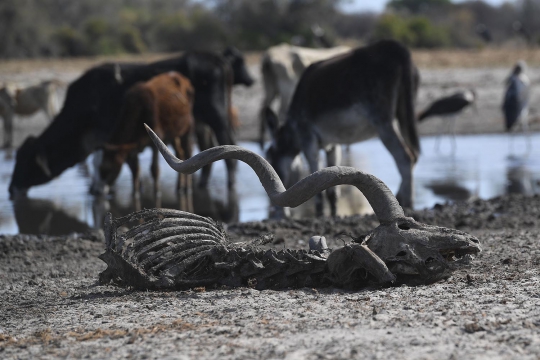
(51,306)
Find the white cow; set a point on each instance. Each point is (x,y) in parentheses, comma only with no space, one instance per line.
(27,101)
(281,67)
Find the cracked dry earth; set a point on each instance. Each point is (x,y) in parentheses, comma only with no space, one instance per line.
(50,305)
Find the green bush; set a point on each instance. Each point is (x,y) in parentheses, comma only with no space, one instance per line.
(131,40)
(101,37)
(169,32)
(199,30)
(426,35)
(416,31)
(69,42)
(393,27)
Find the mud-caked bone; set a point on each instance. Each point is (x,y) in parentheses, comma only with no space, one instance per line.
(172,253)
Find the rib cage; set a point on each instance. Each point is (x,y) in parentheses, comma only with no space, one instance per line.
(176,250)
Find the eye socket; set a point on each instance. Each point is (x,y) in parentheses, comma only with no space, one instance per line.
(401,253)
(429,260)
(404,226)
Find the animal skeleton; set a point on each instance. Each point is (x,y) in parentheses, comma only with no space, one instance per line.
(175,249)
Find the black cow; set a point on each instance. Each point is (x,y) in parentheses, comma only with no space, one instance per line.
(92,107)
(350,98)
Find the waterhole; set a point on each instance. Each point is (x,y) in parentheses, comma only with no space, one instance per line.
(482,166)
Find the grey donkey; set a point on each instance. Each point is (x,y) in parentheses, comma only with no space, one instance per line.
(176,250)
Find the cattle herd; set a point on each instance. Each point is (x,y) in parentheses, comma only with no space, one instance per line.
(328,97)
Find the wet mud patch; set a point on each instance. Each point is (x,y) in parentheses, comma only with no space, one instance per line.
(50,305)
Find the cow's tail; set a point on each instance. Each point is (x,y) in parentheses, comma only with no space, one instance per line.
(424,115)
(407,96)
(232,114)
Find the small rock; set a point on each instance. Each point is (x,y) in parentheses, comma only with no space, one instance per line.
(473,327)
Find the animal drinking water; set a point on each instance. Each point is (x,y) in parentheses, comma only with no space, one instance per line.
(350,98)
(281,67)
(165,103)
(92,108)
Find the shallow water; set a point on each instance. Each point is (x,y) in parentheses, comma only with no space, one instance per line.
(483,166)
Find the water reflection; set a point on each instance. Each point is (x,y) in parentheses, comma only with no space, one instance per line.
(42,216)
(520,179)
(480,168)
(450,190)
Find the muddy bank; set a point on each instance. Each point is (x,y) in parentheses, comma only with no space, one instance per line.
(50,305)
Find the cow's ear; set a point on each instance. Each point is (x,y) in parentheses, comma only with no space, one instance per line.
(271,120)
(43,164)
(175,78)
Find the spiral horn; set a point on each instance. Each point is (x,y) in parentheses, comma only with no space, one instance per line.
(381,199)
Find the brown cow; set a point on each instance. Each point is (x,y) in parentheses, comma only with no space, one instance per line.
(165,104)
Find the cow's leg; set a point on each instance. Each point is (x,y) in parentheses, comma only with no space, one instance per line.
(183,148)
(224,137)
(311,151)
(270,93)
(403,158)
(180,182)
(52,104)
(215,114)
(155,175)
(333,158)
(133,162)
(8,129)
(286,92)
(107,167)
(98,186)
(205,141)
(187,148)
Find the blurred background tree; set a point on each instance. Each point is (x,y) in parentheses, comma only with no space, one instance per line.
(61,28)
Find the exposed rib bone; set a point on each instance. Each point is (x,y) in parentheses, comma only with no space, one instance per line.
(182,258)
(186,241)
(381,199)
(149,237)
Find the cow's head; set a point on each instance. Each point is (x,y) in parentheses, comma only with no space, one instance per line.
(238,65)
(283,152)
(31,168)
(107,164)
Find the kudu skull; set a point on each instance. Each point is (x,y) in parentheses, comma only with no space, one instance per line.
(178,250)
